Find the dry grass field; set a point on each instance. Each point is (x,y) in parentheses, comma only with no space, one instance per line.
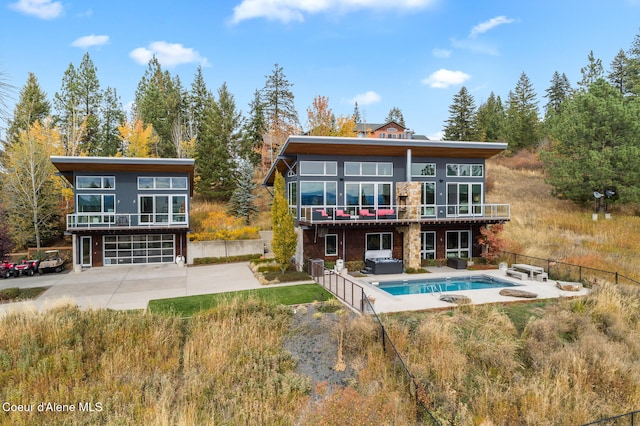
(546,227)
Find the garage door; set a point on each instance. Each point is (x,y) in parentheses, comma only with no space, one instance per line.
(135,249)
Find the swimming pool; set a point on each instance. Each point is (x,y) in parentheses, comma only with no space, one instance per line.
(442,285)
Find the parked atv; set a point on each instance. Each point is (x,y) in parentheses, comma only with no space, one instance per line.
(6,269)
(26,267)
(52,262)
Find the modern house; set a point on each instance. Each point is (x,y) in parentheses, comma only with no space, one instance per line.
(359,198)
(127,210)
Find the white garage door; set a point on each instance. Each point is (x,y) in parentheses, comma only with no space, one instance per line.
(131,249)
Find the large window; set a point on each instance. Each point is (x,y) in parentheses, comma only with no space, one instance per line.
(162,182)
(465,170)
(379,241)
(163,209)
(95,182)
(373,195)
(352,168)
(423,169)
(459,244)
(318,193)
(318,168)
(95,203)
(331,245)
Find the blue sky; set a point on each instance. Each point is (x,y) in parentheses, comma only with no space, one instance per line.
(410,54)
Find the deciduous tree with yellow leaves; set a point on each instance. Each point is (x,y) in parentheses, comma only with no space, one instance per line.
(138,140)
(31,191)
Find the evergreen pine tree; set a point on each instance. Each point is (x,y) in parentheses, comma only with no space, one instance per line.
(559,90)
(112,116)
(242,202)
(280,113)
(633,66)
(619,73)
(357,118)
(69,117)
(159,100)
(395,115)
(90,100)
(490,119)
(217,150)
(591,73)
(254,130)
(32,107)
(460,126)
(522,127)
(284,235)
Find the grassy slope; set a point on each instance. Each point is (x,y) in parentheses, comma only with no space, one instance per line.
(546,227)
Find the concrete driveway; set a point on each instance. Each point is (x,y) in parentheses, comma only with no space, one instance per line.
(131,287)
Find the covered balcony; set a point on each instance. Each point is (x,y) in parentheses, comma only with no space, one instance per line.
(102,221)
(342,215)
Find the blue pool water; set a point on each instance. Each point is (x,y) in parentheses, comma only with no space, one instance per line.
(442,285)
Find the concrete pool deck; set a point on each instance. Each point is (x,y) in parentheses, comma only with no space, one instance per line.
(385,302)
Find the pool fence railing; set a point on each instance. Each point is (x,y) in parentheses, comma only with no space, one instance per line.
(563,271)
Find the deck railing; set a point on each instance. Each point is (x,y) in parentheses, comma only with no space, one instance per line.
(127,220)
(394,213)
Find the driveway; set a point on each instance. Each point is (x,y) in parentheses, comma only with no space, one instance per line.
(131,287)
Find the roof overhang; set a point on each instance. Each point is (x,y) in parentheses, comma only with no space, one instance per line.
(376,147)
(67,166)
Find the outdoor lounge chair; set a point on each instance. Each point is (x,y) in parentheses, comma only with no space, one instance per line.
(340,214)
(366,213)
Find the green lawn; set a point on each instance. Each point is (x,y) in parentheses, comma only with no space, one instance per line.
(287,295)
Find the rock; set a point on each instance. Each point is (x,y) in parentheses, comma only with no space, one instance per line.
(455,298)
(517,293)
(568,286)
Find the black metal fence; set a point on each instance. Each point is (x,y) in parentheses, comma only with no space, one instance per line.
(401,371)
(342,287)
(562,271)
(353,294)
(629,419)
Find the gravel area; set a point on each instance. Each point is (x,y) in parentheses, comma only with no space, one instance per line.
(313,341)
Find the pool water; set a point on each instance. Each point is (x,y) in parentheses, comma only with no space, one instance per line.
(442,285)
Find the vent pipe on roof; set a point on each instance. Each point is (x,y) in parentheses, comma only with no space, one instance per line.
(408,165)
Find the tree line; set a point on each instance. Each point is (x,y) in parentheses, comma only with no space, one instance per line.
(587,136)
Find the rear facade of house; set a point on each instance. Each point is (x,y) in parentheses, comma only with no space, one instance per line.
(408,199)
(127,210)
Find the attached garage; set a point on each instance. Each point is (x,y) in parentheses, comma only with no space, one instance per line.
(139,249)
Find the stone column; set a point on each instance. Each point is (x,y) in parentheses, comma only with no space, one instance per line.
(408,202)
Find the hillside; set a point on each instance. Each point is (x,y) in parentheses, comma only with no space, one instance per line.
(544,226)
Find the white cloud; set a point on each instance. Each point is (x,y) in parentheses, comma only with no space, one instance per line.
(295,10)
(43,9)
(90,40)
(441,53)
(168,54)
(485,26)
(367,98)
(442,79)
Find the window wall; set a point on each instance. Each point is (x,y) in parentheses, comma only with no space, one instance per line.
(368,195)
(318,193)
